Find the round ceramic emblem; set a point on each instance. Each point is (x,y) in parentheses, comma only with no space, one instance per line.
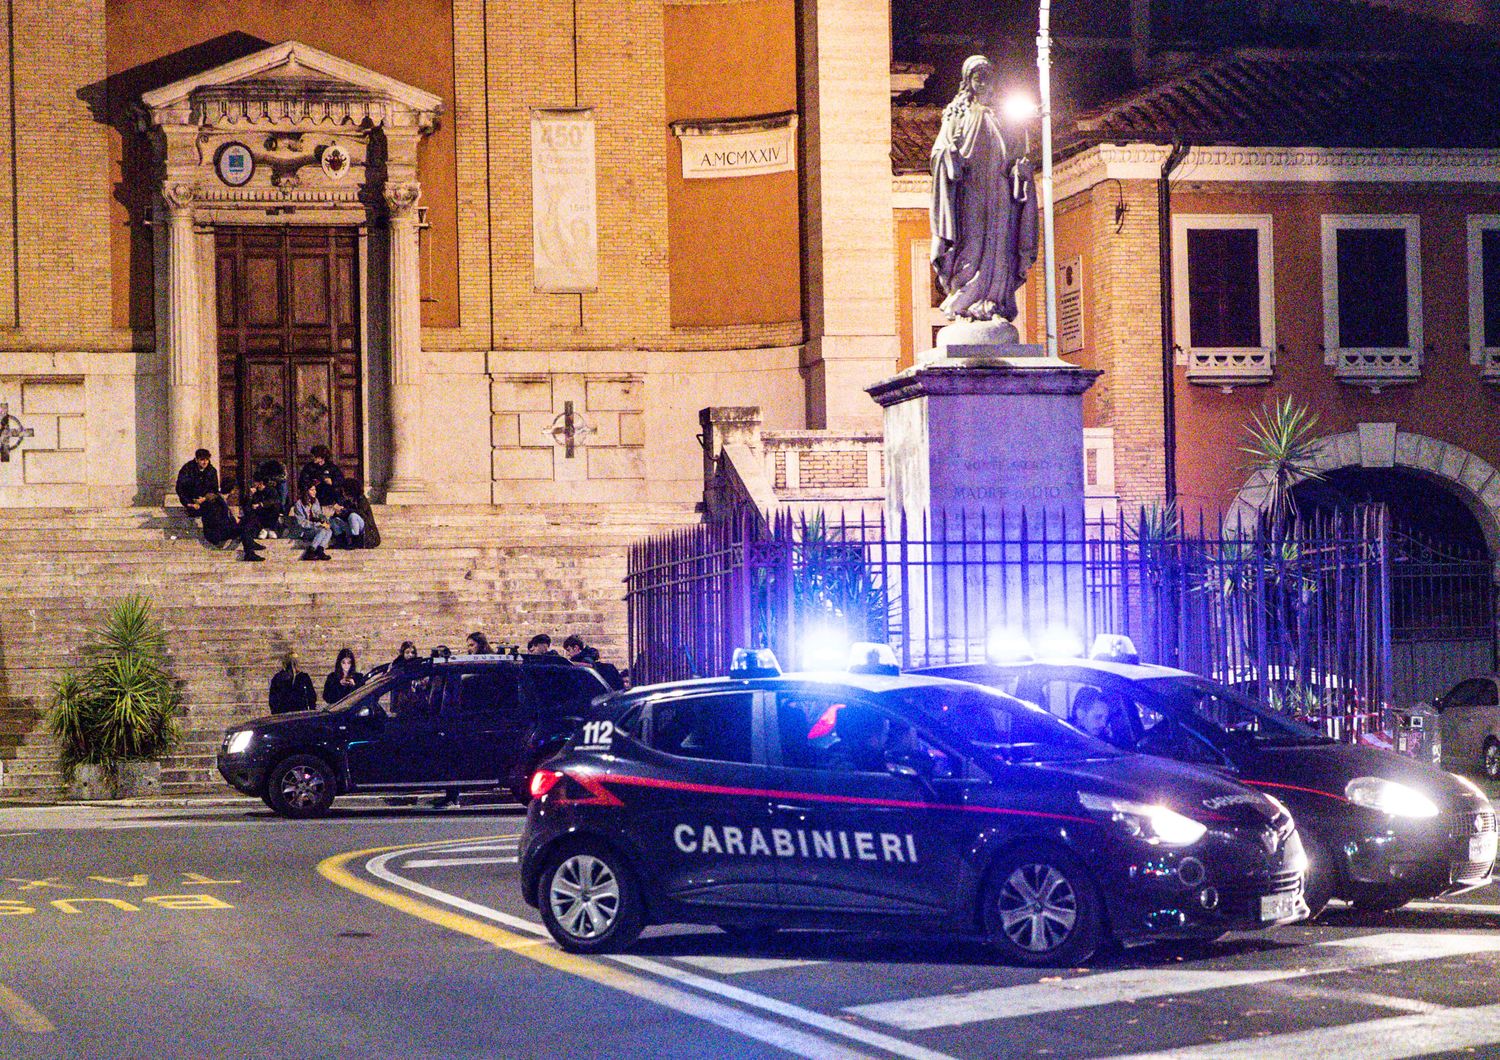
(235,164)
(335,161)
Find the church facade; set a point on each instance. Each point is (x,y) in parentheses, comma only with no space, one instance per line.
(485,254)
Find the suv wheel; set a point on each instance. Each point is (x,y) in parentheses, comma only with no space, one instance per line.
(1041,907)
(300,786)
(1492,760)
(590,902)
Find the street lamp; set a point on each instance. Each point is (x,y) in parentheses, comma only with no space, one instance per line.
(1019,109)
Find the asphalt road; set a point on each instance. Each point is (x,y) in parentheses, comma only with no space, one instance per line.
(219,930)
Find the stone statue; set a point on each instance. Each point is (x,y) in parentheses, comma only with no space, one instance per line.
(984,217)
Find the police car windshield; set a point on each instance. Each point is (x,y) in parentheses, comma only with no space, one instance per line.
(1004,725)
(1230,712)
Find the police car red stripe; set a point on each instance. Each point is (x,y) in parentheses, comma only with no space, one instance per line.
(602,796)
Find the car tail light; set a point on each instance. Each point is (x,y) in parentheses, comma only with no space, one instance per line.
(543,781)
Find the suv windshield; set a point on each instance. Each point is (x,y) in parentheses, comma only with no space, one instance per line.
(1230,712)
(1001,724)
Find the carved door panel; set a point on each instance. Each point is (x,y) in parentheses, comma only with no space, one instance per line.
(289,363)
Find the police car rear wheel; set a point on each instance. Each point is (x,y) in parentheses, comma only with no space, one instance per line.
(590,902)
(1041,908)
(1492,760)
(300,787)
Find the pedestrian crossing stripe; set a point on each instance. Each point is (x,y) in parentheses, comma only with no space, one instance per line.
(1108,988)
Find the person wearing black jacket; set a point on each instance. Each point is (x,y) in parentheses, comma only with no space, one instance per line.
(344,678)
(196,480)
(320,469)
(291,689)
(220,527)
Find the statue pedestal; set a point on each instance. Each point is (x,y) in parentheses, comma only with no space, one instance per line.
(989,444)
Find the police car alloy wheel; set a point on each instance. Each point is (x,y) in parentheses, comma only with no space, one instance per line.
(1041,907)
(1492,760)
(300,786)
(590,901)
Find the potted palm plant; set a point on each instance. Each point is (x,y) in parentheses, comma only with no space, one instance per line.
(116,718)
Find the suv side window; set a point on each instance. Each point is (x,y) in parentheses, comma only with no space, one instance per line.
(407,697)
(492,690)
(554,690)
(716,728)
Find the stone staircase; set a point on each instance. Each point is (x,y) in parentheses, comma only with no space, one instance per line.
(439,573)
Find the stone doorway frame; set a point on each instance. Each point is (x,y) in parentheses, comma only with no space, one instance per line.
(1375,445)
(289,105)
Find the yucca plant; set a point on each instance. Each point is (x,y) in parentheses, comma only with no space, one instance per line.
(124,704)
(1281,443)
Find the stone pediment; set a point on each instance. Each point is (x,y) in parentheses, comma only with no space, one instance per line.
(292,84)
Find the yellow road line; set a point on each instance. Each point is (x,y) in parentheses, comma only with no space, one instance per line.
(788,1038)
(23,1015)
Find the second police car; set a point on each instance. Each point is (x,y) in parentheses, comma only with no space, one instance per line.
(873,800)
(1380,829)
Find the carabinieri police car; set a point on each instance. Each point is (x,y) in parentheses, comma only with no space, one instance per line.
(873,801)
(1380,829)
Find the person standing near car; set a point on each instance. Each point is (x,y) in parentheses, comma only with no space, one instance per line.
(291,689)
(344,679)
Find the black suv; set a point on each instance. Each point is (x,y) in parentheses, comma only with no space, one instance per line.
(465,722)
(890,802)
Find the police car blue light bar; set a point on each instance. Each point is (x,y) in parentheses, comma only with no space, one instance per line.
(1114,647)
(824,648)
(1058,642)
(1007,646)
(868,657)
(754,662)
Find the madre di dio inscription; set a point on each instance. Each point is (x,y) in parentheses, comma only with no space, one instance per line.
(741,147)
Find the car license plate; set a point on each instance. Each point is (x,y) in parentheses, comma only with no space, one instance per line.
(1278,906)
(1482,847)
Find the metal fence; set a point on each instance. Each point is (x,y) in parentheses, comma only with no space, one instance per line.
(1299,617)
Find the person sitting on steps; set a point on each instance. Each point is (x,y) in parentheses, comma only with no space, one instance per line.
(311,524)
(221,528)
(195,480)
(320,468)
(263,508)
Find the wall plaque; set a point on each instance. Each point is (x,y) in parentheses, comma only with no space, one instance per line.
(1070,305)
(235,164)
(564,206)
(740,147)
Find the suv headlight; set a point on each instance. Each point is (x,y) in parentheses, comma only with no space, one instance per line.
(1154,824)
(1387,796)
(239,743)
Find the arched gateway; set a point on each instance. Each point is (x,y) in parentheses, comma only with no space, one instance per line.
(288,284)
(1445,508)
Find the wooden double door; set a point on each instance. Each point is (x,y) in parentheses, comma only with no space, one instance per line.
(289,356)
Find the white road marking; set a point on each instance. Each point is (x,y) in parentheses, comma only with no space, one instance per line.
(742,965)
(377,866)
(15,835)
(479,848)
(1458,907)
(441,863)
(1396,1038)
(1298,992)
(1088,991)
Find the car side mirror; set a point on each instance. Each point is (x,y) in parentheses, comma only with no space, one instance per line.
(911,773)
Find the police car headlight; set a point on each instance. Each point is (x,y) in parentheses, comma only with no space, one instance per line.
(1154,824)
(1471,787)
(1387,796)
(239,743)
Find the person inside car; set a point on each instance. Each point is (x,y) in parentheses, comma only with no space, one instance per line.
(1091,713)
(861,741)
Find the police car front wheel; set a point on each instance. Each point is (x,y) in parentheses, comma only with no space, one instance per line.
(590,901)
(1041,907)
(300,786)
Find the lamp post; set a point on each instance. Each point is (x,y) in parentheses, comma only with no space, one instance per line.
(1044,82)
